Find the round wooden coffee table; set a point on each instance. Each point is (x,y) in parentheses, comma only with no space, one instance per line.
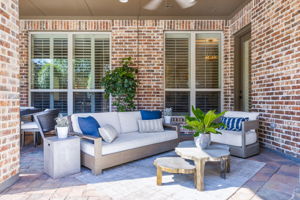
(215,152)
(174,165)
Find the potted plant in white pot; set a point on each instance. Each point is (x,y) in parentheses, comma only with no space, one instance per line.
(203,124)
(167,115)
(62,127)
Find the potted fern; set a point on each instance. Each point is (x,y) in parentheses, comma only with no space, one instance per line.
(203,124)
(62,127)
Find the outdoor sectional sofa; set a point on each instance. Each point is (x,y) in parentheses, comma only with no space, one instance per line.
(130,144)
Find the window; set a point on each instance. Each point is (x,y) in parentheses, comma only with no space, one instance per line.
(192,71)
(66,70)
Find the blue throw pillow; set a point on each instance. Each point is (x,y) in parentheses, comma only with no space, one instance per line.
(233,123)
(89,126)
(149,115)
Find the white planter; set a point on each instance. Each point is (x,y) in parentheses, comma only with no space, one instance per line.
(62,132)
(202,141)
(167,119)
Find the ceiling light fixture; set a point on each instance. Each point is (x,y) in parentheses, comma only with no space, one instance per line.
(123,1)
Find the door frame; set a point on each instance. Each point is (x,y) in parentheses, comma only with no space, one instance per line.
(238,38)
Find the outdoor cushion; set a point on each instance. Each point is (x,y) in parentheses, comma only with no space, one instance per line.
(89,126)
(150,114)
(129,141)
(29,125)
(128,121)
(148,126)
(108,133)
(250,115)
(104,118)
(234,138)
(233,123)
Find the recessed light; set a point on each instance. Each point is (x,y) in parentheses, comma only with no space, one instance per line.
(123,1)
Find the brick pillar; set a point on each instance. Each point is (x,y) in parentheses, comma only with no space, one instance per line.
(9,93)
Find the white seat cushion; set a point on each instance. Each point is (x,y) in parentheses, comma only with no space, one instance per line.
(110,118)
(129,121)
(234,138)
(129,141)
(29,125)
(239,114)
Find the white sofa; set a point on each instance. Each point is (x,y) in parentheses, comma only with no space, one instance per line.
(242,143)
(129,145)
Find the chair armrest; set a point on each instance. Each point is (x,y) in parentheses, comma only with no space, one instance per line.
(97,141)
(171,126)
(249,125)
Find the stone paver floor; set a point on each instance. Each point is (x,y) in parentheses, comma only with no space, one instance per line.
(278,180)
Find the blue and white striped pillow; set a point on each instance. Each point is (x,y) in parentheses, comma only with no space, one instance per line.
(233,123)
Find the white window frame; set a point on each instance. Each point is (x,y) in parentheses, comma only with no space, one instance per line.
(70,91)
(192,68)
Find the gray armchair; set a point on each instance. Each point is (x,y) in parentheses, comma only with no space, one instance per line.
(242,143)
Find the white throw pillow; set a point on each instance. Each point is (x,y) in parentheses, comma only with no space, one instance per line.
(108,133)
(150,126)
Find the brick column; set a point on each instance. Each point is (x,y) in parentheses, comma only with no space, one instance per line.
(9,93)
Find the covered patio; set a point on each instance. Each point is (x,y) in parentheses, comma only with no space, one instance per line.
(59,57)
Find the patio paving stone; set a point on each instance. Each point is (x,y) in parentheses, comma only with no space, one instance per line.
(278,179)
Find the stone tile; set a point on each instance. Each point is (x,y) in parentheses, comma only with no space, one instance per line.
(276,180)
(268,194)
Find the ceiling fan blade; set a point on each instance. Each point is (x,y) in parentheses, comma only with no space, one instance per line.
(153,4)
(186,3)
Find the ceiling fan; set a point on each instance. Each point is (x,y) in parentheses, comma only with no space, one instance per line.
(154,4)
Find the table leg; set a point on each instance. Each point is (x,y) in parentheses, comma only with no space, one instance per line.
(223,167)
(228,164)
(158,176)
(200,165)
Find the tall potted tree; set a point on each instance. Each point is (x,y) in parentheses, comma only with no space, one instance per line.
(203,124)
(121,83)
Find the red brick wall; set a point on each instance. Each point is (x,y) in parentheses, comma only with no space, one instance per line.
(275,60)
(141,39)
(9,90)
(275,70)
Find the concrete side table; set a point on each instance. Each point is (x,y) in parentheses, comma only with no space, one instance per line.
(61,156)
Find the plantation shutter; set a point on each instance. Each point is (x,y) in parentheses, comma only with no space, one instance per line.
(208,101)
(102,60)
(60,63)
(177,62)
(82,66)
(207,61)
(40,78)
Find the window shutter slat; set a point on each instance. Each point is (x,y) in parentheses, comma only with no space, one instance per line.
(207,63)
(40,63)
(60,63)
(178,101)
(82,65)
(102,60)
(177,63)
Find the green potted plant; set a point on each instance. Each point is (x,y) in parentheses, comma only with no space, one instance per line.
(203,124)
(121,83)
(62,127)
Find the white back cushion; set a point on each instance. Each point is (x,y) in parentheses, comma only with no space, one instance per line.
(110,118)
(240,114)
(129,121)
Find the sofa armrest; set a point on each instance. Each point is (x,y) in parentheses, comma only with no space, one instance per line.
(250,125)
(97,142)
